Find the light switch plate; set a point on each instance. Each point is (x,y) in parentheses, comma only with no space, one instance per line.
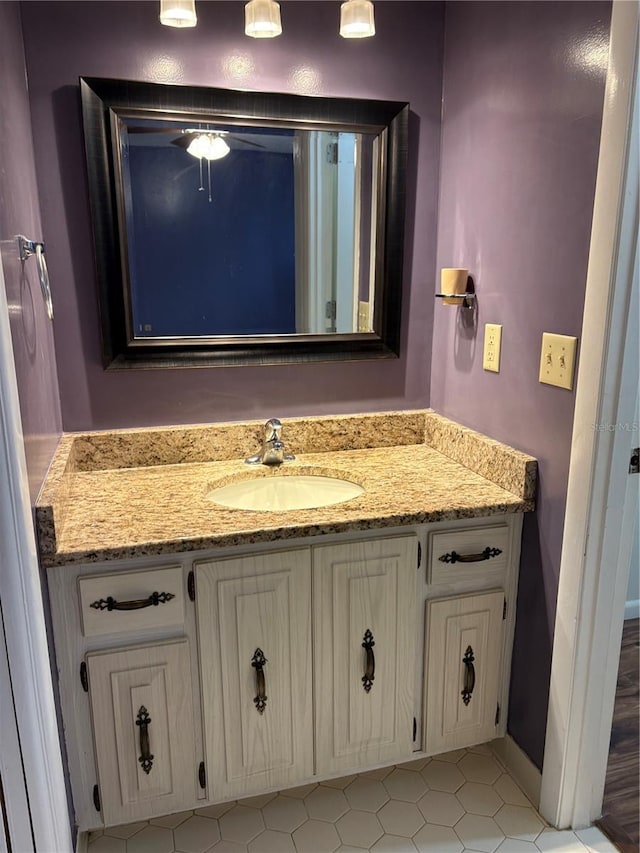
(364,322)
(492,343)
(557,360)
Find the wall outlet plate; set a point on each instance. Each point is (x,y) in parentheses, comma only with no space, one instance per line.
(558,359)
(492,343)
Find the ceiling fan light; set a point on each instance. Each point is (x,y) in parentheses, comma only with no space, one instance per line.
(208,146)
(262,19)
(178,13)
(356,19)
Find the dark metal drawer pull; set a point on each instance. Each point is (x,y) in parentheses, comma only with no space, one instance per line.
(146,758)
(469,675)
(454,557)
(370,668)
(258,661)
(154,600)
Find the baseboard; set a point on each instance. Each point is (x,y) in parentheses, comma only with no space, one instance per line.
(82,842)
(632,610)
(520,766)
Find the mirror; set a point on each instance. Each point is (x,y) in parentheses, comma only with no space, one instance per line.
(239,227)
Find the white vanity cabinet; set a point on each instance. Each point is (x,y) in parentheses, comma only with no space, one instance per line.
(263,645)
(364,655)
(142,710)
(462,666)
(125,650)
(472,575)
(192,679)
(254,631)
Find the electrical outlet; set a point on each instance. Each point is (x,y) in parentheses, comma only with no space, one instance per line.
(557,360)
(492,342)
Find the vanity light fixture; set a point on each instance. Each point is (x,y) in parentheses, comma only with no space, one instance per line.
(178,13)
(356,19)
(262,19)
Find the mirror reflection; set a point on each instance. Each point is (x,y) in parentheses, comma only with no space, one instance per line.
(235,227)
(246,230)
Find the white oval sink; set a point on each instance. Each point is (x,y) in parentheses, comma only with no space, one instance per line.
(279,494)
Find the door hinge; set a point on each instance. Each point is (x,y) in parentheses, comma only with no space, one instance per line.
(332,153)
(415,728)
(634,462)
(419,554)
(330,309)
(191,585)
(504,609)
(497,714)
(96,798)
(83,677)
(202,776)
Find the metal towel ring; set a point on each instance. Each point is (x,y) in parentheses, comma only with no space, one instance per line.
(31,247)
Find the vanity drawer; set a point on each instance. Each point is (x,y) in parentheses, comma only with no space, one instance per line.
(467,553)
(131,601)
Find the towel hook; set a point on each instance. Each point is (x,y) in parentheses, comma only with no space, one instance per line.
(31,247)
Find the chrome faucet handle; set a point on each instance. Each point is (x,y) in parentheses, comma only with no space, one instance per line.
(272,452)
(272,430)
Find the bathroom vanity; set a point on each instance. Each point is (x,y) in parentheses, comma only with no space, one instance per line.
(208,654)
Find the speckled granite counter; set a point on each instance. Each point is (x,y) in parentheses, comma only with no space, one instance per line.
(122,494)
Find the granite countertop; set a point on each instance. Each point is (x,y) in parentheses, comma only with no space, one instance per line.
(124,494)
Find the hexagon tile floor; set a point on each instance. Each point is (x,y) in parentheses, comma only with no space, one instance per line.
(460,802)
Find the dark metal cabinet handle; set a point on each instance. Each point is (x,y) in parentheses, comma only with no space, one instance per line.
(454,557)
(154,600)
(469,676)
(258,661)
(370,667)
(146,758)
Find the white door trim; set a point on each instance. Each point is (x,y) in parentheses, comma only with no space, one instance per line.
(592,588)
(26,639)
(16,801)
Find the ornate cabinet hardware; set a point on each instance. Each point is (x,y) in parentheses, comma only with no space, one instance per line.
(469,676)
(370,667)
(154,600)
(146,758)
(454,557)
(258,661)
(84,680)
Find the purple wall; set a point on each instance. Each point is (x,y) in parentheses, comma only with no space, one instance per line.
(114,39)
(523,97)
(31,331)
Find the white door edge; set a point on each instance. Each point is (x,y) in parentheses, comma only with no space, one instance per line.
(591,589)
(26,639)
(14,788)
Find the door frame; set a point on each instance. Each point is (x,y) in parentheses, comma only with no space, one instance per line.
(601,496)
(24,630)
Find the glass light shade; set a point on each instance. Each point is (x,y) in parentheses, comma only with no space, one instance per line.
(208,146)
(262,19)
(356,19)
(178,13)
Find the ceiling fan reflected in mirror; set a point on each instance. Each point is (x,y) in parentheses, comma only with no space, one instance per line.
(203,144)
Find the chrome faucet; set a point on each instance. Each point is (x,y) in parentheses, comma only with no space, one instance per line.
(272,452)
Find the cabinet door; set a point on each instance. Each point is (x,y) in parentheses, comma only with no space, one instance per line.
(255,653)
(142,708)
(463,664)
(364,651)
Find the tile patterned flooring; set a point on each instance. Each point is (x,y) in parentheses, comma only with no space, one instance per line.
(460,802)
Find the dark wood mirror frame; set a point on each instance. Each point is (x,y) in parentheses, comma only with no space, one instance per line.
(103,99)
